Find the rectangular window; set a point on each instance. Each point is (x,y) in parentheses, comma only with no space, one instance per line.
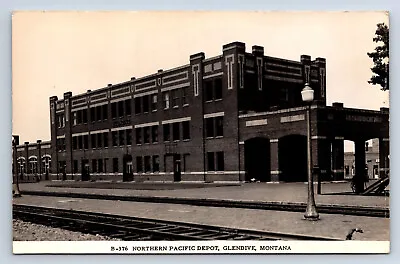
(220,161)
(156,163)
(121,108)
(105,139)
(105,111)
(99,140)
(94,165)
(129,136)
(86,141)
(146,131)
(154,134)
(209,127)
(105,164)
(75,168)
(115,165)
(139,164)
(208,91)
(186,130)
(218,88)
(98,113)
(138,132)
(74,142)
(166,132)
(138,105)
(114,137)
(80,142)
(114,110)
(79,114)
(99,165)
(121,137)
(93,140)
(128,107)
(175,98)
(284,94)
(74,118)
(185,158)
(154,102)
(166,100)
(210,161)
(146,106)
(175,131)
(185,91)
(219,126)
(147,164)
(92,114)
(85,116)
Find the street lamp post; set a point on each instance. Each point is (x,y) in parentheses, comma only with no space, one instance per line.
(311,211)
(15,141)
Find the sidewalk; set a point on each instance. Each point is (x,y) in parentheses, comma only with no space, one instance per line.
(334,226)
(255,192)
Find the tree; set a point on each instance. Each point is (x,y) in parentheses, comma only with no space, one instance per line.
(380,58)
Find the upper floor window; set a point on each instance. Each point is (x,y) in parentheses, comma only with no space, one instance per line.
(185,98)
(213,89)
(114,110)
(128,108)
(166,100)
(214,126)
(138,105)
(146,106)
(154,102)
(175,98)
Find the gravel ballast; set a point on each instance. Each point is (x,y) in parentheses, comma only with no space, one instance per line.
(25,231)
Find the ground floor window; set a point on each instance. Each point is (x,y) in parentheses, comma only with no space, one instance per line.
(215,161)
(147,164)
(156,163)
(139,164)
(115,165)
(75,166)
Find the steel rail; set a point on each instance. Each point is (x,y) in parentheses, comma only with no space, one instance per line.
(135,228)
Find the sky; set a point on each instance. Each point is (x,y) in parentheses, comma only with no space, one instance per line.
(57,52)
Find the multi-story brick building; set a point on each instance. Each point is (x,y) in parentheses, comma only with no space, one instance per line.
(232,117)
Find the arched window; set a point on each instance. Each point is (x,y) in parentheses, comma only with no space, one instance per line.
(32,168)
(46,164)
(21,165)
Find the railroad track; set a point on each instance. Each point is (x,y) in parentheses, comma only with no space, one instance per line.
(135,228)
(276,206)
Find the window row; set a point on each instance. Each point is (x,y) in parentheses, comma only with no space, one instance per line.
(145,104)
(148,164)
(214,126)
(176,130)
(97,113)
(33,167)
(175,98)
(213,89)
(146,135)
(60,119)
(121,108)
(215,161)
(80,117)
(121,137)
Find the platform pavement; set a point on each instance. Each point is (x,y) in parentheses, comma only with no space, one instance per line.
(333,226)
(255,192)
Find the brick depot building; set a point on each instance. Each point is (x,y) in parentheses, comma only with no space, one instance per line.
(232,117)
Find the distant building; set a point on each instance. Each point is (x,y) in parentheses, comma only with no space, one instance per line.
(234,117)
(371,163)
